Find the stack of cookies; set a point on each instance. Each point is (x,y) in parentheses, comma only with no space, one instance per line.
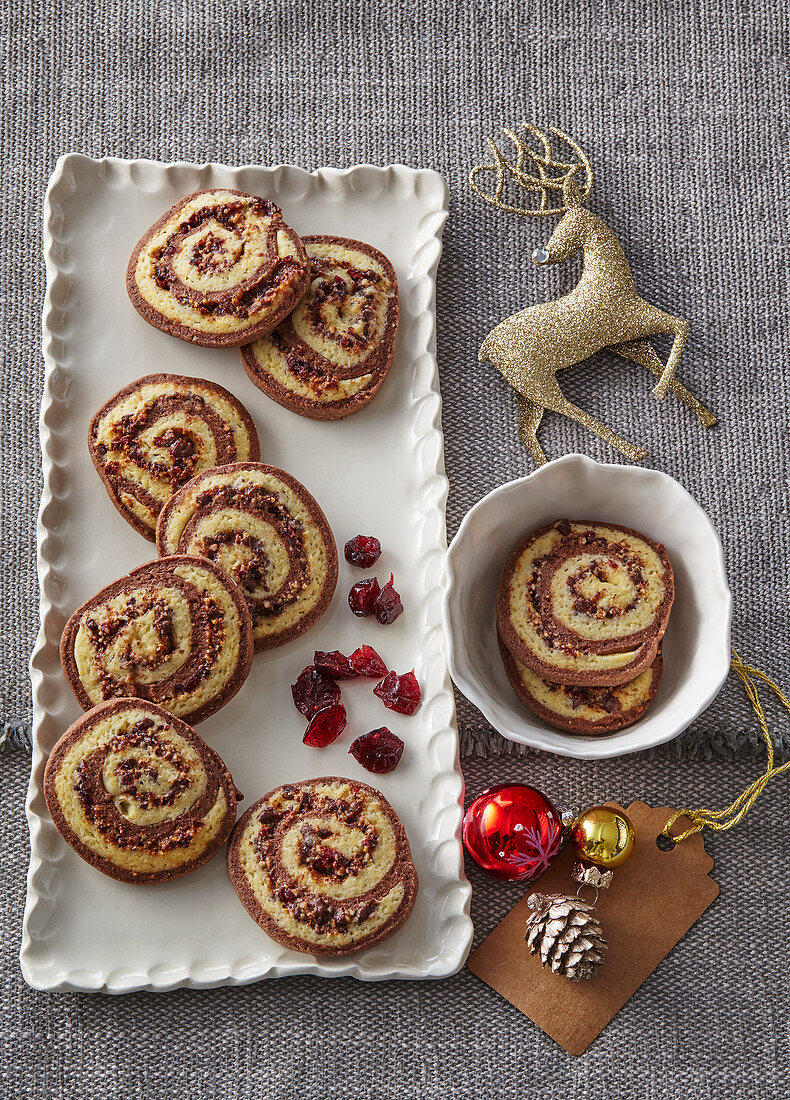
(581,612)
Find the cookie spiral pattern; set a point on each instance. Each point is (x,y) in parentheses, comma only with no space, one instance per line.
(329,358)
(583,710)
(159,432)
(138,794)
(266,531)
(323,866)
(218,269)
(175,632)
(585,603)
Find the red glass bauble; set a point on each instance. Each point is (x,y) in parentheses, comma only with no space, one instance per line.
(512,831)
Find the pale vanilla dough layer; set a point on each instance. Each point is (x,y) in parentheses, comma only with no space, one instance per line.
(527,625)
(344,318)
(274,363)
(185,420)
(135,860)
(248,252)
(346,839)
(617,590)
(234,558)
(558,698)
(528,628)
(140,638)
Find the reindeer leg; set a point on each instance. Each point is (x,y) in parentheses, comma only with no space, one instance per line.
(680,328)
(559,403)
(529,417)
(643,353)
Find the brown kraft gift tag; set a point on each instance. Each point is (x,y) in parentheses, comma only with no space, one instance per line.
(653,900)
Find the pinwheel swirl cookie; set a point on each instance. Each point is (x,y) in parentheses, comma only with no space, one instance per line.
(323,866)
(220,268)
(329,358)
(175,632)
(585,603)
(583,710)
(264,529)
(159,432)
(138,794)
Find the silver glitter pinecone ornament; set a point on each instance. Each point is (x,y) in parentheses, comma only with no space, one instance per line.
(564,931)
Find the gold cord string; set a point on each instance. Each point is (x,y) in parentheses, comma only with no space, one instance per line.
(725,819)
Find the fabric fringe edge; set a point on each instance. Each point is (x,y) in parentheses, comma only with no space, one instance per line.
(15,735)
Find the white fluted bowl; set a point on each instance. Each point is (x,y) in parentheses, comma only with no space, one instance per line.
(697,641)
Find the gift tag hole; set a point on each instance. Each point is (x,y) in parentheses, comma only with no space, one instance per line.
(664,843)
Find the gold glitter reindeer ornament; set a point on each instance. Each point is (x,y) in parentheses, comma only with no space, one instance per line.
(602,311)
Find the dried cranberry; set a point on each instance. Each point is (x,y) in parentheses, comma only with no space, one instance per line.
(325,727)
(314,691)
(363,596)
(400,693)
(324,864)
(388,605)
(366,662)
(363,550)
(334,664)
(378,751)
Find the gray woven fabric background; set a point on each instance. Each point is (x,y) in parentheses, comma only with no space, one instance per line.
(683,109)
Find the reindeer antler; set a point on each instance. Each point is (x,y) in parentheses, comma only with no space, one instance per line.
(545,179)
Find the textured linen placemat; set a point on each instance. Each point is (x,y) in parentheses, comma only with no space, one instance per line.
(683,109)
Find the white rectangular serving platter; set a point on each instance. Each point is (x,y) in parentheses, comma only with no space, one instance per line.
(379,472)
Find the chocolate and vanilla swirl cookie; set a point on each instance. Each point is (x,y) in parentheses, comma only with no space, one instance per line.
(323,866)
(175,632)
(583,710)
(329,358)
(585,603)
(220,268)
(157,433)
(264,529)
(138,794)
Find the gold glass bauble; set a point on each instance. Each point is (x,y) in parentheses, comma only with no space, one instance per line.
(603,836)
